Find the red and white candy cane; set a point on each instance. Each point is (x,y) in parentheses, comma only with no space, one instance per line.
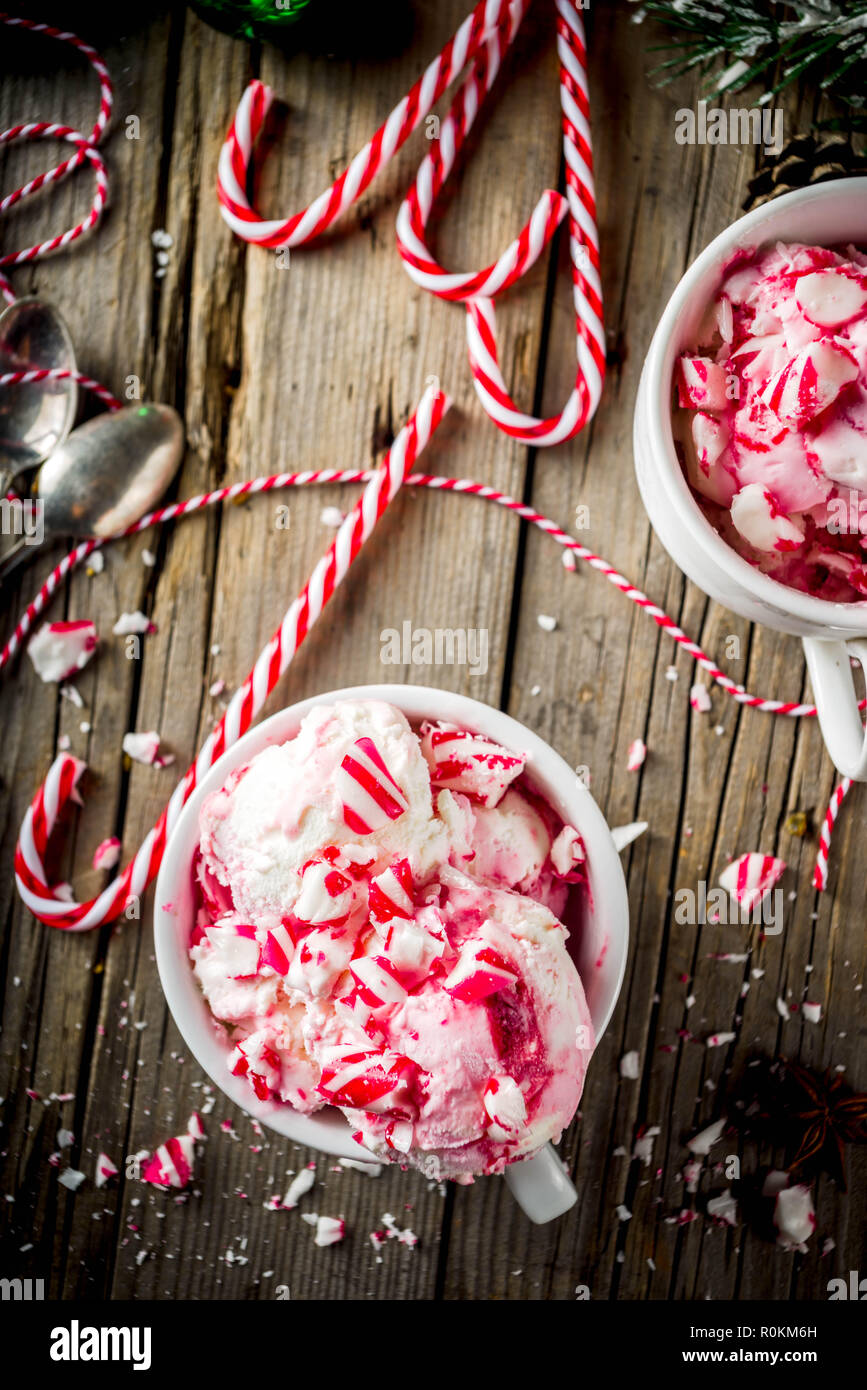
(482,40)
(477,292)
(85,151)
(60,784)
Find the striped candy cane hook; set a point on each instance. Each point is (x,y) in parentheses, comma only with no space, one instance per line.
(61,783)
(477,291)
(482,40)
(51,130)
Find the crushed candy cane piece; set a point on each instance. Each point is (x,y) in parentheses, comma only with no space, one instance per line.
(759,519)
(71,1178)
(60,650)
(300,1184)
(329,1230)
(195,1128)
(703,1142)
(130,624)
(830,299)
(371,797)
(701,383)
(506,1108)
(691,1174)
(794,1217)
(775,1181)
(567,853)
(394,1232)
(699,698)
(629,1068)
(372,1170)
(465,762)
(105,1170)
(480,972)
(643,1146)
(107,854)
(750,877)
(73,695)
(636,755)
(171,1165)
(144,748)
(810,382)
(723,1209)
(811,1012)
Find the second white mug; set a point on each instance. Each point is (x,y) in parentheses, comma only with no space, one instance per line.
(829,214)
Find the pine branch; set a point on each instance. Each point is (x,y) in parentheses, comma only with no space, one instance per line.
(821,39)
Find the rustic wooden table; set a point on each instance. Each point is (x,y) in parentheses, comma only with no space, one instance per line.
(316,365)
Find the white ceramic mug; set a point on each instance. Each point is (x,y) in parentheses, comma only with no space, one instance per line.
(829,214)
(598,943)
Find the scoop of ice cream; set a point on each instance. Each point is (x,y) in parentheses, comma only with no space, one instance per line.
(370,940)
(772,424)
(511,842)
(502,1040)
(478,1063)
(354,774)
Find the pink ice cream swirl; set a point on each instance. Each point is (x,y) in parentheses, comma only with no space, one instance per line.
(771,418)
(376,931)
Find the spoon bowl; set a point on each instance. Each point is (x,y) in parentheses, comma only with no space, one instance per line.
(104,477)
(110,471)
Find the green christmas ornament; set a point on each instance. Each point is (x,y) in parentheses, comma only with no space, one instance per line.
(255,19)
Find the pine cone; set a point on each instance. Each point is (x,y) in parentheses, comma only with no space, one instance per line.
(805,159)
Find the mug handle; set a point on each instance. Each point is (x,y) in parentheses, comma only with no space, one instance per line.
(541,1186)
(836,703)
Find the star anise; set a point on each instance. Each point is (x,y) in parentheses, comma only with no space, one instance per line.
(830,1114)
(813,1115)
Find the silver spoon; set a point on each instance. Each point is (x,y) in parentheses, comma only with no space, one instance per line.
(104,477)
(35,417)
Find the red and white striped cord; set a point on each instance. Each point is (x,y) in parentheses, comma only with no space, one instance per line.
(570,546)
(482,40)
(60,784)
(820,873)
(85,151)
(89,383)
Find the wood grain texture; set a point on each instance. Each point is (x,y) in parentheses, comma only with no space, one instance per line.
(315,364)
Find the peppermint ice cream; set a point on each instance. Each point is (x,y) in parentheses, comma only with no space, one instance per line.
(378,930)
(772,417)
